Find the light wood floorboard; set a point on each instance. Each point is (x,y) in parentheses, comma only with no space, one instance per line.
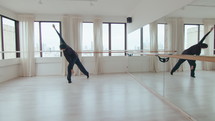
(108,97)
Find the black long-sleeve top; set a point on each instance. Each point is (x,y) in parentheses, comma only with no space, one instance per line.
(195,49)
(70,54)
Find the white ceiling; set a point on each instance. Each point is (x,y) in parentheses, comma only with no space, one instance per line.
(79,7)
(197,9)
(148,9)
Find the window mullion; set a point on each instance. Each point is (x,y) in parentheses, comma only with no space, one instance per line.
(2,38)
(17,38)
(40,39)
(141,38)
(110,40)
(125,38)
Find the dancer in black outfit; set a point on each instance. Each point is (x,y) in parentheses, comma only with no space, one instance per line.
(193,50)
(72,57)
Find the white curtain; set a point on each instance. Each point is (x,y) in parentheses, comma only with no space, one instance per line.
(98,44)
(208,23)
(27,45)
(174,38)
(153,46)
(72,29)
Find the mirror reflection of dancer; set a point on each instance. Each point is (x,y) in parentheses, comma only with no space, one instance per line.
(72,57)
(193,50)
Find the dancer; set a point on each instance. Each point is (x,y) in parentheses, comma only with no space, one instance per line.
(71,56)
(193,50)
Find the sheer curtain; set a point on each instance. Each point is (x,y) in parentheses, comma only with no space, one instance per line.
(174,39)
(98,44)
(153,46)
(208,23)
(27,45)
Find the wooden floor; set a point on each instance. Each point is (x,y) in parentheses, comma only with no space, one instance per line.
(108,97)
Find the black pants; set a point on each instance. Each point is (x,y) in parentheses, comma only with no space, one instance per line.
(191,63)
(80,66)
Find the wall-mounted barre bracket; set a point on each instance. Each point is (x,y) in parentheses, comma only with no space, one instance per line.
(164,60)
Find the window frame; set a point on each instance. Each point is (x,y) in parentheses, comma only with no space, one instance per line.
(17,41)
(198,38)
(200,35)
(214,40)
(40,35)
(109,36)
(141,37)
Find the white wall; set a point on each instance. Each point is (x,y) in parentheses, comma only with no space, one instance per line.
(55,66)
(139,64)
(44,17)
(114,64)
(109,64)
(49,66)
(144,13)
(8,13)
(9,69)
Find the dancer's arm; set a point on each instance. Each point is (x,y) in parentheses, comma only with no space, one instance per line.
(205,36)
(61,38)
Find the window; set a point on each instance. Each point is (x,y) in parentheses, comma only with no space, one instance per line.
(9,40)
(139,39)
(193,33)
(46,40)
(146,37)
(134,40)
(118,38)
(88,39)
(161,36)
(114,38)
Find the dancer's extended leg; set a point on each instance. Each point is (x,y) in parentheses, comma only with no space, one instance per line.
(177,65)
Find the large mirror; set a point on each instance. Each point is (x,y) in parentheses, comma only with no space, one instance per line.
(194,97)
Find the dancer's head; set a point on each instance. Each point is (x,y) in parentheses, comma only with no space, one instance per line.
(204,45)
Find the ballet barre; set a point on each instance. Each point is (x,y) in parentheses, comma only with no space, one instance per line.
(190,57)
